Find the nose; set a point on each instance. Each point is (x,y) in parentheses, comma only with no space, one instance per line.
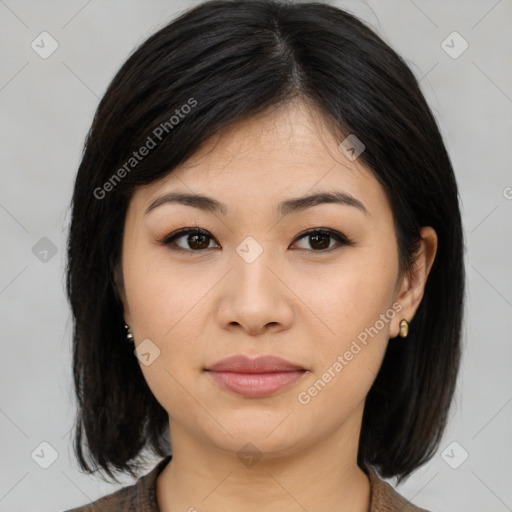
(254,297)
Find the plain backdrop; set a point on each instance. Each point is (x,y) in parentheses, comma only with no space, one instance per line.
(46,107)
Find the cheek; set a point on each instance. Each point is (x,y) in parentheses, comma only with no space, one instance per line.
(350,297)
(163,296)
(166,308)
(349,358)
(164,305)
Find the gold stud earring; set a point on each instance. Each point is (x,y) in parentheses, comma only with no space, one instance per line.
(404,328)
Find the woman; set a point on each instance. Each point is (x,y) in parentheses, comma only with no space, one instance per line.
(265,267)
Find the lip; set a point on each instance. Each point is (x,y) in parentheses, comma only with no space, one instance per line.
(260,364)
(255,377)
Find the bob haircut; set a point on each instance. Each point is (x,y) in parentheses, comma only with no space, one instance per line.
(229,60)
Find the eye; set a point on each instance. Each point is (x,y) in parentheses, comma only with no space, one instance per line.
(320,239)
(197,239)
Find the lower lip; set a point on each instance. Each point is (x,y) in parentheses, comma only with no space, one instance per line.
(256,385)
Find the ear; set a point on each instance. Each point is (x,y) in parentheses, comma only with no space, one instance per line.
(413,283)
(120,291)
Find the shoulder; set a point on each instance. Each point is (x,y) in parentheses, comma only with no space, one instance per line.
(384,498)
(119,501)
(140,497)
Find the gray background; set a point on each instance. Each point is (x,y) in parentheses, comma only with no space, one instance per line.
(46,109)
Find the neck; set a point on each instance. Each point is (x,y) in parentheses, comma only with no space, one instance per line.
(323,476)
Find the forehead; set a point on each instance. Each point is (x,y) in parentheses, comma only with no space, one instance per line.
(285,152)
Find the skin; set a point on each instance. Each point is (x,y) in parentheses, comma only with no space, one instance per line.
(297,301)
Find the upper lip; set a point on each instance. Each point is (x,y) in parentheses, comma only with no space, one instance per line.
(260,364)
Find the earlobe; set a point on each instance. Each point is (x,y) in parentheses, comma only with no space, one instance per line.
(413,283)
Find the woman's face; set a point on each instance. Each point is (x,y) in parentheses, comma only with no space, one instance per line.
(251,283)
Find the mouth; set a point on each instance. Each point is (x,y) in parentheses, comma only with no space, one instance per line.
(255,378)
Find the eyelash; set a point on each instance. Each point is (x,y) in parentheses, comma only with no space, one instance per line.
(342,239)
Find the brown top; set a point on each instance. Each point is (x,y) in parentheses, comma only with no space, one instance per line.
(141,496)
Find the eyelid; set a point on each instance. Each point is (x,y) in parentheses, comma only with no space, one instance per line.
(340,238)
(166,240)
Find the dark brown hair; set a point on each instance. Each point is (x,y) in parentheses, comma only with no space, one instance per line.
(229,60)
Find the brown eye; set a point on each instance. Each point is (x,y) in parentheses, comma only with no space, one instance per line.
(194,240)
(198,240)
(320,239)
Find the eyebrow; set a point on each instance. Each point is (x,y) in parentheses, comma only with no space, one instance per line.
(209,204)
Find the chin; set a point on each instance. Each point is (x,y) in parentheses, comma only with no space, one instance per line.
(274,434)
